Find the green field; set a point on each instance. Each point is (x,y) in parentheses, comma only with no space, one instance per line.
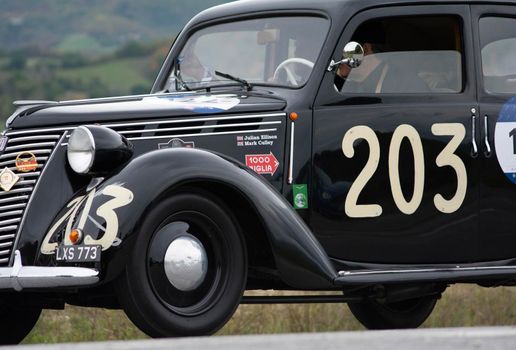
(117,75)
(460,306)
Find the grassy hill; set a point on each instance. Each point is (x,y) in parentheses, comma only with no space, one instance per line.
(92,25)
(55,76)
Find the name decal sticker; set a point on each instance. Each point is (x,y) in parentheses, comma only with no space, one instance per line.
(262,163)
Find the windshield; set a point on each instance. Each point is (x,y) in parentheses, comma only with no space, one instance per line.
(272,51)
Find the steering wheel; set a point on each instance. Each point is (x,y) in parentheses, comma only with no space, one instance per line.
(291,78)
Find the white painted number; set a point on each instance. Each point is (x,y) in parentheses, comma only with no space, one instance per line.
(351,207)
(121,197)
(447,157)
(401,132)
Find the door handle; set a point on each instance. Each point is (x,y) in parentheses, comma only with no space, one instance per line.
(474,150)
(487,150)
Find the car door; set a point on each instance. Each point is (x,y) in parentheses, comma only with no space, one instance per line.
(395,161)
(495,50)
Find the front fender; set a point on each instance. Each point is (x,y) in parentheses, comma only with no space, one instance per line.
(301,261)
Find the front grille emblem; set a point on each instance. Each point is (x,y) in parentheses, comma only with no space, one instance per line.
(8,179)
(26,161)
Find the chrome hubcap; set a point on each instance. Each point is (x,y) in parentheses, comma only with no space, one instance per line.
(186,263)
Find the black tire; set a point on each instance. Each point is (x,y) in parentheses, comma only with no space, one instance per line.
(152,301)
(16,322)
(399,315)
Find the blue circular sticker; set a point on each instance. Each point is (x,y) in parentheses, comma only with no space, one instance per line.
(505,139)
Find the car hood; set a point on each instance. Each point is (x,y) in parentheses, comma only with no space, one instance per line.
(137,107)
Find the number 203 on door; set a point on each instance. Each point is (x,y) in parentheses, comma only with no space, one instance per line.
(446,157)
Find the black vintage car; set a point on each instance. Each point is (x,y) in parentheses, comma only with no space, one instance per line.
(362,147)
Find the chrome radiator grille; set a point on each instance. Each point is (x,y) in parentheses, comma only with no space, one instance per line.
(13,203)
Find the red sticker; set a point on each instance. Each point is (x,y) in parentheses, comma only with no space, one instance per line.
(262,163)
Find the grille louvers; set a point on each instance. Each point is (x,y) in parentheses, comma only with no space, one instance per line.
(196,127)
(14,202)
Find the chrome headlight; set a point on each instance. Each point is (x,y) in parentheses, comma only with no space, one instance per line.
(81,150)
(97,150)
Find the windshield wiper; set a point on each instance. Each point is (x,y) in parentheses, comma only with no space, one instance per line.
(245,83)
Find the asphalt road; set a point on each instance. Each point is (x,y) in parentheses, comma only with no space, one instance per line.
(493,338)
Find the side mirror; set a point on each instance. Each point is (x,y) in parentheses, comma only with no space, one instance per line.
(352,55)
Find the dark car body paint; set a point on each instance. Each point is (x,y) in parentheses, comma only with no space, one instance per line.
(299,257)
(303,262)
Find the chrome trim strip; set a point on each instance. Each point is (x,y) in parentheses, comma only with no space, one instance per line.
(124,98)
(143,131)
(5,252)
(291,157)
(13,168)
(202,134)
(24,216)
(33,173)
(32,131)
(193,120)
(10,221)
(429,270)
(7,229)
(10,213)
(487,152)
(14,154)
(154,122)
(7,236)
(195,135)
(474,136)
(13,206)
(7,162)
(6,244)
(19,277)
(31,145)
(17,190)
(12,199)
(4,260)
(25,182)
(37,137)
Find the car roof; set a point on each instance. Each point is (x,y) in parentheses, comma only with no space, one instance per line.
(334,8)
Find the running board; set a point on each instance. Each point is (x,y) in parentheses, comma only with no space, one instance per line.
(419,275)
(298,299)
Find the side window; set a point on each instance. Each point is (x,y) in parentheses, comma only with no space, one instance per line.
(404,55)
(498,43)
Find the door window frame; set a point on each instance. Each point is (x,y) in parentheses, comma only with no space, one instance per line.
(327,94)
(477,12)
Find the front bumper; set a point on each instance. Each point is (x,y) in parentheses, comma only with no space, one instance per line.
(20,277)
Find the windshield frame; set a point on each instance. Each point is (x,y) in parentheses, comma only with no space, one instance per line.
(162,79)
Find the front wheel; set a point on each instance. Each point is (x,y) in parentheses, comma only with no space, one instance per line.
(188,269)
(396,315)
(16,322)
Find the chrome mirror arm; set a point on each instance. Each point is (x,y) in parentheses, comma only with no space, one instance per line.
(352,54)
(351,62)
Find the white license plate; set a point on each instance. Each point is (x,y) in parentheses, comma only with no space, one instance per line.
(79,253)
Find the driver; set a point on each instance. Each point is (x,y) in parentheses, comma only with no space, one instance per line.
(380,71)
(370,75)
